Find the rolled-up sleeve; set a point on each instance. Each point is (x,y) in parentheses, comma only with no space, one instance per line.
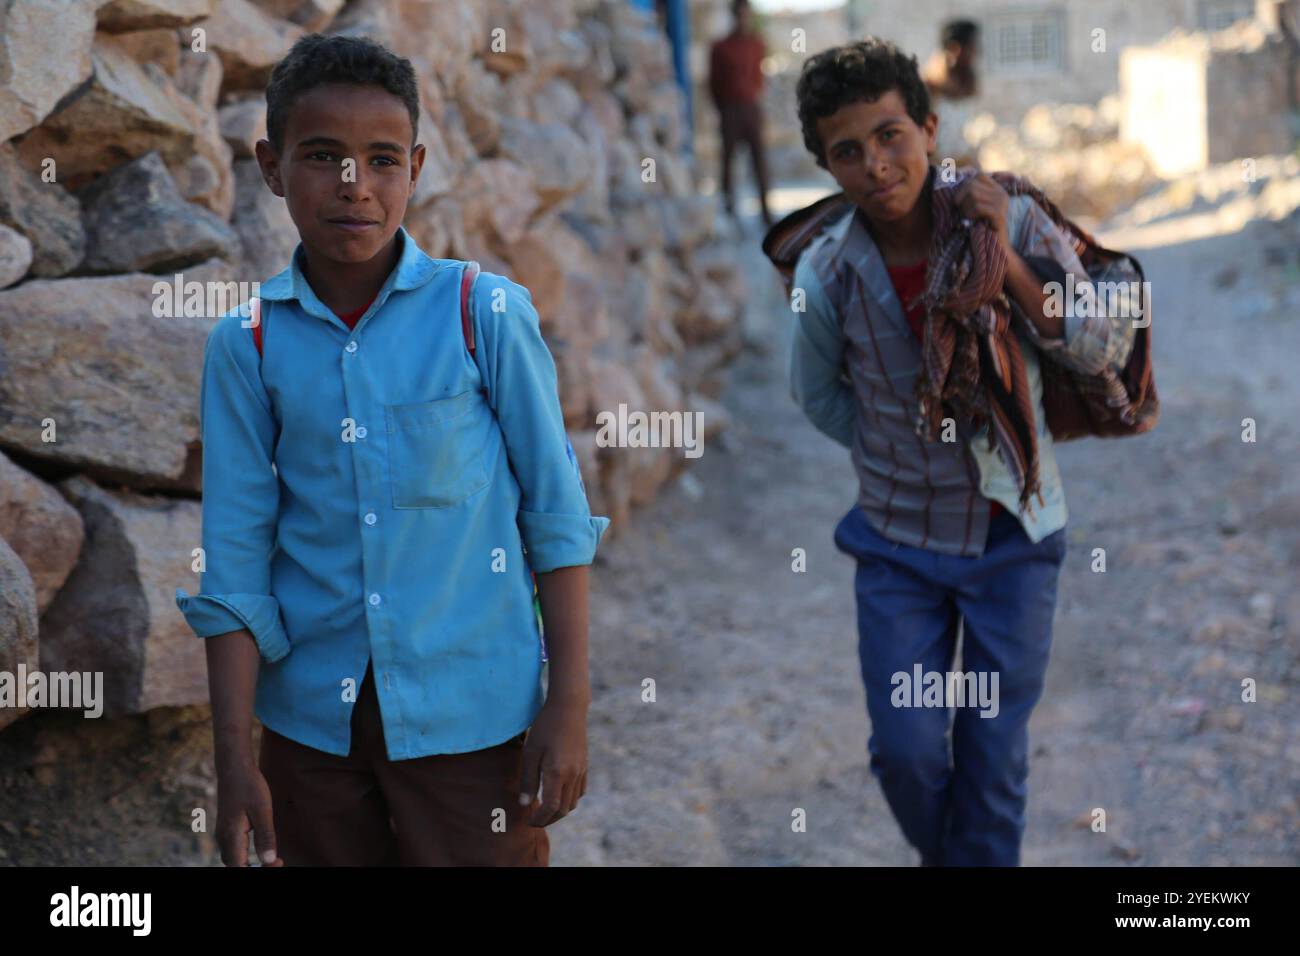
(240,496)
(1099,330)
(555,519)
(817,382)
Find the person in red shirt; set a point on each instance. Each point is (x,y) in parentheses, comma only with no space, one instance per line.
(736,85)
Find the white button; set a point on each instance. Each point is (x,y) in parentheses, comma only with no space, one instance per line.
(351,346)
(370,518)
(374,599)
(361,431)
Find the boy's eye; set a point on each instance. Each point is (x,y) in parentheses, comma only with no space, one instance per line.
(329,156)
(889,134)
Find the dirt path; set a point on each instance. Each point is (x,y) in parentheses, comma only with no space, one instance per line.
(759,706)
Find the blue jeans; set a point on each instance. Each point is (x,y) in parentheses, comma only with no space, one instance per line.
(969,811)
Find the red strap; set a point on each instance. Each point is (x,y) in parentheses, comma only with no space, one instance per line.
(256,307)
(466,286)
(466,320)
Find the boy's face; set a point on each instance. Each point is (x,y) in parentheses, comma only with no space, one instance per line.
(345,213)
(879,155)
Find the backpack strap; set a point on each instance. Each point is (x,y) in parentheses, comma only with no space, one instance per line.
(468,275)
(255,310)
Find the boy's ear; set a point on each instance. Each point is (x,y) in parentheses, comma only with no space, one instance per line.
(417,163)
(931,127)
(268,160)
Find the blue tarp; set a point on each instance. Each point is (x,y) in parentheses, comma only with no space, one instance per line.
(678,27)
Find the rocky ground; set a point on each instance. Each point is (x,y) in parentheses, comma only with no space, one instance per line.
(758,708)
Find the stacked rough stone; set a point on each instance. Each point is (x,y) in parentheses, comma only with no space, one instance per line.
(126,157)
(1070,151)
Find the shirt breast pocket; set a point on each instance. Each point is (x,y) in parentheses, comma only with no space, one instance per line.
(438,451)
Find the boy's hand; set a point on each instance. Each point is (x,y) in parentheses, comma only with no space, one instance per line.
(243,804)
(556,752)
(980,197)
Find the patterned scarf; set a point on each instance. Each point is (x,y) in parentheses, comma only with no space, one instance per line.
(965,264)
(972,367)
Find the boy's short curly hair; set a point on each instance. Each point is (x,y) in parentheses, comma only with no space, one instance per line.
(857,72)
(317,59)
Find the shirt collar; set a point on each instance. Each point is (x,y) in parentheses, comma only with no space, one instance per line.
(414,268)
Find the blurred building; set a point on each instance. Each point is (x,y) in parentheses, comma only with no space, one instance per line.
(1034,51)
(1196,81)
(1196,99)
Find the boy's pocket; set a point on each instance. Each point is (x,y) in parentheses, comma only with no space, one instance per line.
(437,450)
(856,537)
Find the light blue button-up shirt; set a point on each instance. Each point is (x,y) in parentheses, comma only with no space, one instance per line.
(379,493)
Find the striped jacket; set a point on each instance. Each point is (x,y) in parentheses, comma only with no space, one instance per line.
(853,368)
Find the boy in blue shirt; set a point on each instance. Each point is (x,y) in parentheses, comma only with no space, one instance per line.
(376,498)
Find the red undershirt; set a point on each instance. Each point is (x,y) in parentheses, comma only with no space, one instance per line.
(350,318)
(909,283)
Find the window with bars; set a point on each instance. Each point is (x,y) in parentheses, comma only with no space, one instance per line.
(1217,14)
(1027,42)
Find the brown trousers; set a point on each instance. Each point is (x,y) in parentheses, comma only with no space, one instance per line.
(367,810)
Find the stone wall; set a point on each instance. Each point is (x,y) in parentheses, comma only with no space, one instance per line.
(1072,152)
(126,157)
